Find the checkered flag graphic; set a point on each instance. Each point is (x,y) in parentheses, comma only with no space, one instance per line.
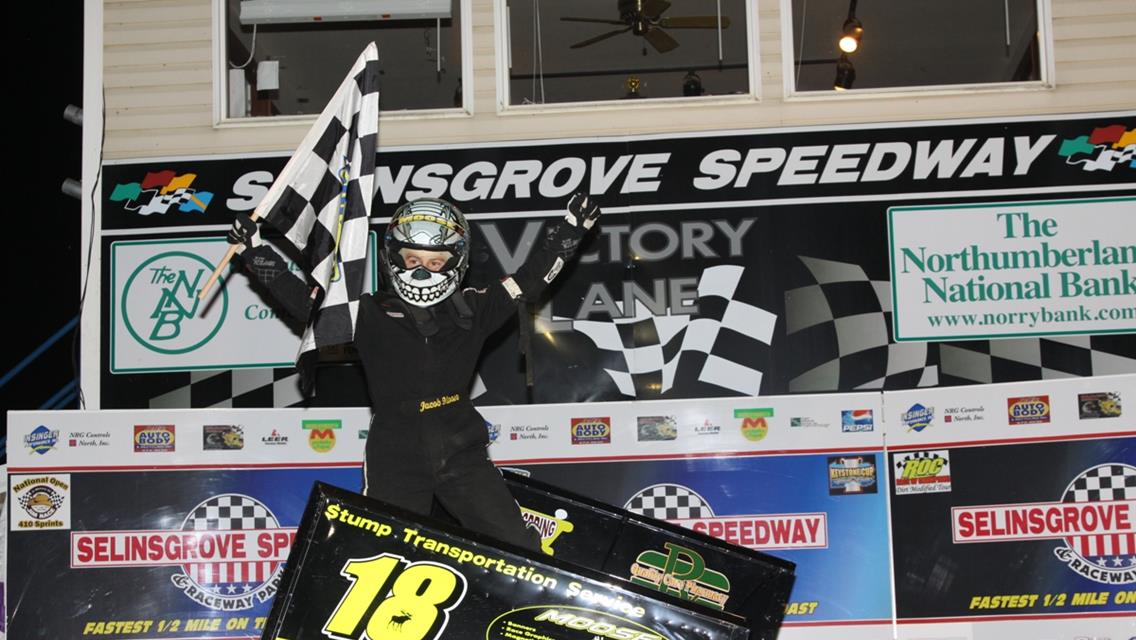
(1106,482)
(322,201)
(669,502)
(843,319)
(651,345)
(1015,359)
(230,512)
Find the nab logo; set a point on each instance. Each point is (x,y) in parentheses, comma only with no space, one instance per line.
(754,425)
(160,307)
(159,191)
(321,434)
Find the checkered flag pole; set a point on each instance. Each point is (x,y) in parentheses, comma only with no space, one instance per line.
(321,201)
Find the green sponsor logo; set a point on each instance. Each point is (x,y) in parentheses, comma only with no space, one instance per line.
(681,571)
(160,307)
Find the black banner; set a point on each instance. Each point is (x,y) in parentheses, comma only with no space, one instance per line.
(659,555)
(360,568)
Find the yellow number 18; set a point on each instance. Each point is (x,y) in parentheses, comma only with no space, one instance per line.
(414,599)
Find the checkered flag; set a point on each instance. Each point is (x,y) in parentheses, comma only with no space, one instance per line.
(839,330)
(669,502)
(1048,358)
(728,334)
(322,201)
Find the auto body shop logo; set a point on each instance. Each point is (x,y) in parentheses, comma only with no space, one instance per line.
(160,307)
(1094,520)
(230,552)
(685,507)
(159,191)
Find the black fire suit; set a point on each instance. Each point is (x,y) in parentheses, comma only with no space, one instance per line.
(426,439)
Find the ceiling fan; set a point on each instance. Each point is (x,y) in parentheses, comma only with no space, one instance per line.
(645,18)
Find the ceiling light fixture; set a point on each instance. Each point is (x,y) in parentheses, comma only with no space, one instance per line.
(850,42)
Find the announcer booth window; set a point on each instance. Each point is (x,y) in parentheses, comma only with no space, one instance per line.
(873,46)
(287,57)
(588,51)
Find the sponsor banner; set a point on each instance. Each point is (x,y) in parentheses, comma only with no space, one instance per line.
(1052,409)
(682,427)
(1038,268)
(186,437)
(800,519)
(364,568)
(1020,543)
(157,322)
(775,278)
(170,553)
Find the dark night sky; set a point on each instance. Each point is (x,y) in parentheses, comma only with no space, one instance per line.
(43,262)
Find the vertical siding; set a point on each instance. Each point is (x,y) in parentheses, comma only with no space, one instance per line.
(159,87)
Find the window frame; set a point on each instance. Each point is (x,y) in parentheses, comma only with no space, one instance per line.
(221,82)
(503,62)
(1044,83)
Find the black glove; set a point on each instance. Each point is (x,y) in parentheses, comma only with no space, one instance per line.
(583,211)
(244,233)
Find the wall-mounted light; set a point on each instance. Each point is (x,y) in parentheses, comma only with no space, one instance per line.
(853,30)
(845,74)
(692,84)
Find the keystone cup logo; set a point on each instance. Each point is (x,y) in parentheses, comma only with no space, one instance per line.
(160,307)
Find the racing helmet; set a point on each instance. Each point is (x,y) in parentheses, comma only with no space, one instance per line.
(426,224)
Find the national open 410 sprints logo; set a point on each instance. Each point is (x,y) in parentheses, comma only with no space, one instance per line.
(230,551)
(685,507)
(1095,520)
(160,308)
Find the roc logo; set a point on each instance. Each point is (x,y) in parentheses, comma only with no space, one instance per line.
(918,417)
(1098,405)
(854,475)
(230,551)
(41,439)
(856,420)
(160,308)
(681,572)
(494,431)
(321,434)
(159,191)
(754,426)
(1028,410)
(922,472)
(591,430)
(549,527)
(153,437)
(1093,520)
